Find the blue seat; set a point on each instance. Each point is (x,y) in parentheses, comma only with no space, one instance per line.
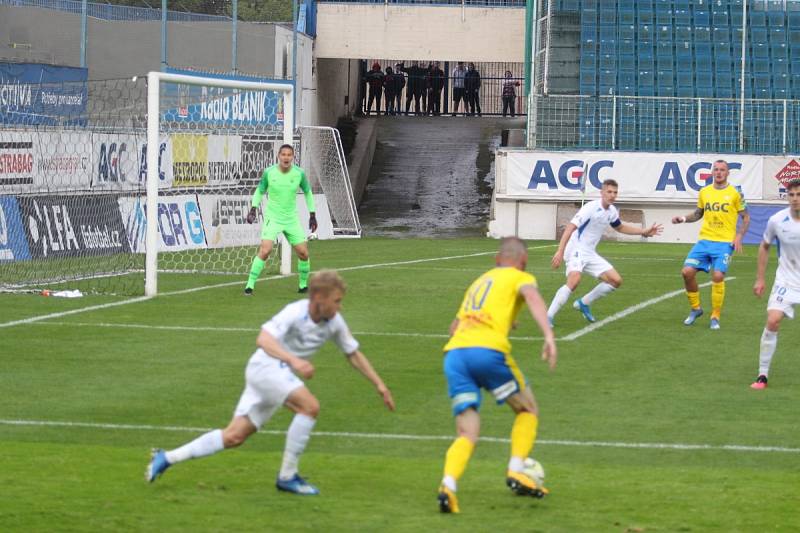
(684,91)
(780,66)
(588,61)
(723,91)
(665,63)
(645,15)
(777,17)
(777,35)
(685,78)
(702,18)
(626,16)
(645,32)
(758,34)
(702,63)
(626,78)
(572,6)
(760,66)
(756,19)
(664,15)
(760,50)
(703,78)
(607,61)
(626,62)
(684,51)
(781,81)
(607,31)
(627,47)
(607,15)
(720,17)
(702,34)
(778,50)
(627,31)
(702,48)
(794,33)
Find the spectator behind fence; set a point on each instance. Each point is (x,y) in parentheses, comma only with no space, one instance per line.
(375,86)
(435,84)
(389,95)
(509,93)
(399,84)
(458,87)
(416,84)
(472,87)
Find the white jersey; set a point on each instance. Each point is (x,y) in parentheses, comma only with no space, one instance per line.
(295,330)
(786,230)
(592,221)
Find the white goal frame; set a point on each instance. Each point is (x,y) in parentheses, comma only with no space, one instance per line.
(154,81)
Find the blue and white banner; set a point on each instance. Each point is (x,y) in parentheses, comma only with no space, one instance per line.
(221,106)
(641,176)
(13,246)
(35,94)
(72,226)
(180,223)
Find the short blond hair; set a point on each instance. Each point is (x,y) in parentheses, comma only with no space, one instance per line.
(512,248)
(326,281)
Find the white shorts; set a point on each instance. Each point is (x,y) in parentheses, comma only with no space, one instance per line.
(586,261)
(268,382)
(783,298)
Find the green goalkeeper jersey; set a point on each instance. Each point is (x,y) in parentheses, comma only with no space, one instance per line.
(281,189)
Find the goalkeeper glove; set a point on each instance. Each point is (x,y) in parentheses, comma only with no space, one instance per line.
(312,222)
(251,216)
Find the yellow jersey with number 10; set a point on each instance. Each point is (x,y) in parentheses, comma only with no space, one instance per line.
(489,308)
(720,212)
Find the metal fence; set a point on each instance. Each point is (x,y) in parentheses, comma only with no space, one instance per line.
(114,12)
(662,124)
(467,3)
(490,94)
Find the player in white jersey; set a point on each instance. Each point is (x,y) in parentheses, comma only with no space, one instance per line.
(286,343)
(783,226)
(578,248)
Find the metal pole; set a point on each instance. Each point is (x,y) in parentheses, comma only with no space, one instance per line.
(744,65)
(699,121)
(528,43)
(297,89)
(614,123)
(785,112)
(530,81)
(163,34)
(84,36)
(235,26)
(151,202)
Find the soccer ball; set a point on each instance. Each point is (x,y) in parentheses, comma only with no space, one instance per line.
(534,470)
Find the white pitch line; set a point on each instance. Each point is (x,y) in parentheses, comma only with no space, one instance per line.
(401,436)
(253,329)
(629,310)
(39,318)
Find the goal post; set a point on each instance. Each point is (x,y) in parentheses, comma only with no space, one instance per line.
(155,110)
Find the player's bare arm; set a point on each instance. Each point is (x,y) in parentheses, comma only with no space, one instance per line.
(273,348)
(558,257)
(633,229)
(453,326)
(743,225)
(694,216)
(538,311)
(761,269)
(362,364)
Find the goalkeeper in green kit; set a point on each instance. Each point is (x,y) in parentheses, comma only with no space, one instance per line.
(281,182)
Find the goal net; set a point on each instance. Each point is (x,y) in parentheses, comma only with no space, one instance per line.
(75,208)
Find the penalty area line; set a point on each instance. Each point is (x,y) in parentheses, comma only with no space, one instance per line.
(39,318)
(628,311)
(401,436)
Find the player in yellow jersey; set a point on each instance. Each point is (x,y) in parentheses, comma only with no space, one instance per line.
(478,355)
(720,205)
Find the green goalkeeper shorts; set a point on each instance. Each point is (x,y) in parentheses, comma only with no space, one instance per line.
(292,230)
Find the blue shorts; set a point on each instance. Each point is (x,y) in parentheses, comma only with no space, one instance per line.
(469,369)
(707,255)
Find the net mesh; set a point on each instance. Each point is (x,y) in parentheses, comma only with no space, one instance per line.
(72,182)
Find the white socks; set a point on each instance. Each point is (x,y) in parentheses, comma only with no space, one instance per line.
(769,341)
(516,464)
(206,444)
(561,297)
(296,440)
(600,290)
(450,483)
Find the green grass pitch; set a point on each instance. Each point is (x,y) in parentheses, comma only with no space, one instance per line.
(157,372)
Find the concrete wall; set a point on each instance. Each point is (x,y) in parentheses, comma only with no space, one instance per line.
(420,32)
(336,89)
(124,49)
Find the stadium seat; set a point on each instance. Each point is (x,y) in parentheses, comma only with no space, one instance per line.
(702,63)
(760,66)
(645,15)
(719,17)
(760,50)
(702,18)
(627,78)
(627,47)
(702,34)
(665,49)
(607,62)
(684,51)
(627,62)
(756,19)
(702,49)
(608,16)
(626,16)
(645,32)
(646,61)
(780,66)
(684,91)
(607,31)
(777,35)
(627,31)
